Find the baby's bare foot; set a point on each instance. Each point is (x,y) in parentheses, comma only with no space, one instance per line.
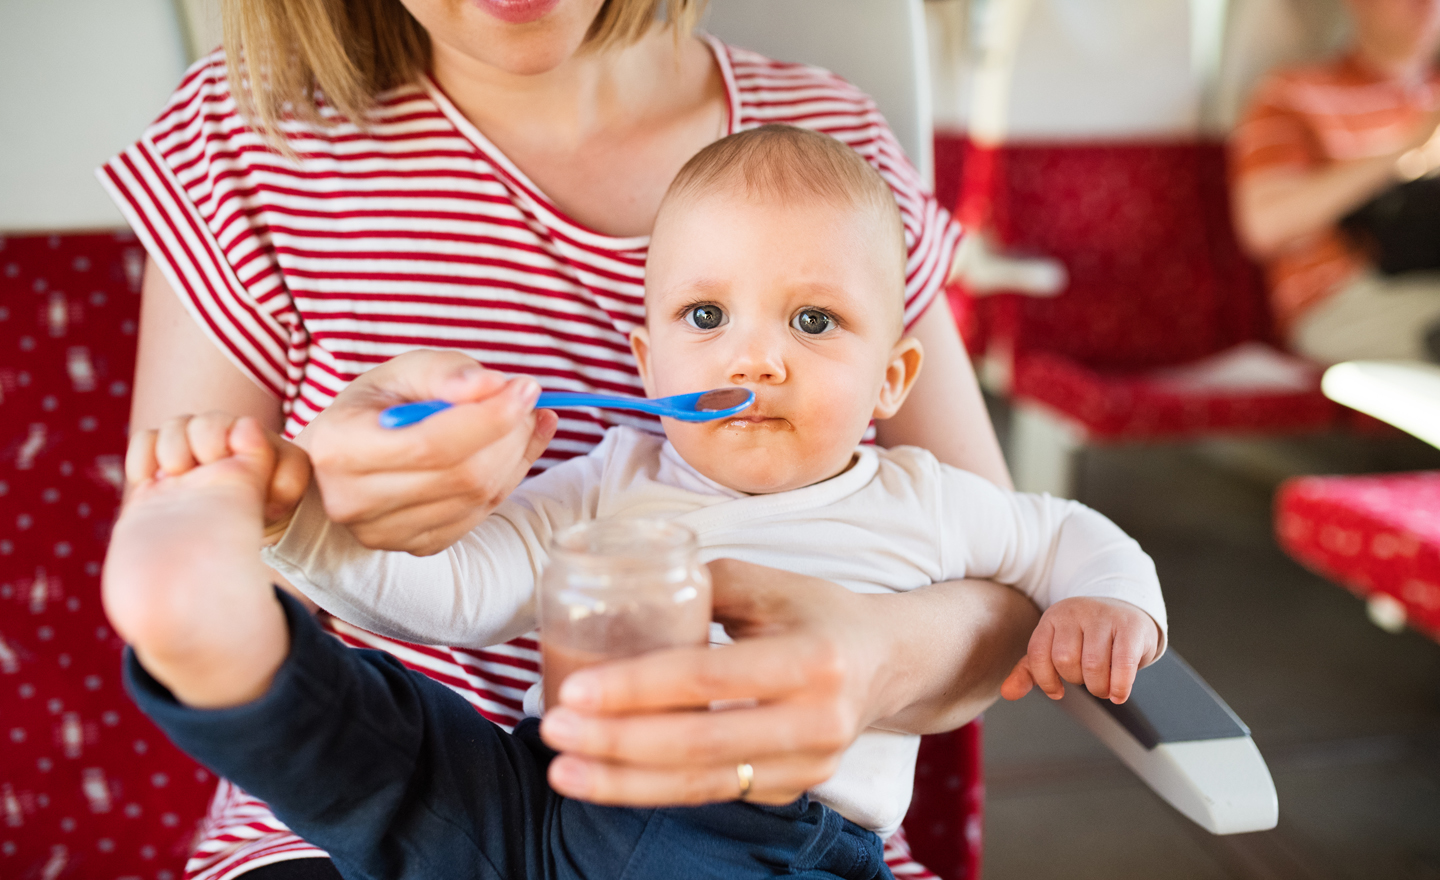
(181,538)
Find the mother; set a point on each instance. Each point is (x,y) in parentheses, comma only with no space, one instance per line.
(480,176)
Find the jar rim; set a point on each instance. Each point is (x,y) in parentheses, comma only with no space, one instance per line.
(624,538)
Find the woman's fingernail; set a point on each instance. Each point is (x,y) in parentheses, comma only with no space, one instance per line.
(580,690)
(526,390)
(570,775)
(561,729)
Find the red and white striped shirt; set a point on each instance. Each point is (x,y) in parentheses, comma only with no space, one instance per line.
(416,232)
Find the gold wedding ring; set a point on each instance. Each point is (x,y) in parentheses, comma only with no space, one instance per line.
(746,773)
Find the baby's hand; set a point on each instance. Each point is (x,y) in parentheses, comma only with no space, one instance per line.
(1100,643)
(187,442)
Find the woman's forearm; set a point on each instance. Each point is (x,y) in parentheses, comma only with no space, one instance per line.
(950,647)
(945,412)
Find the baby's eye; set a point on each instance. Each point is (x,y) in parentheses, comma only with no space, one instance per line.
(705,317)
(812,322)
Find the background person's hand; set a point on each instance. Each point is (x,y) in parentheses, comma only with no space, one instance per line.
(1098,643)
(421,487)
(639,732)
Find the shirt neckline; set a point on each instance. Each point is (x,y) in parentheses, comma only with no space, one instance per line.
(739,505)
(536,197)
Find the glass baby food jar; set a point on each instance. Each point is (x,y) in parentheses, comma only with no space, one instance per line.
(616,588)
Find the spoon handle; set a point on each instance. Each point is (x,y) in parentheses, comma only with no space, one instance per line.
(552,399)
(403,414)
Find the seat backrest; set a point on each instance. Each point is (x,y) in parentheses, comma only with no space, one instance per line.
(88,786)
(878,45)
(1261,35)
(80,82)
(1090,148)
(1143,229)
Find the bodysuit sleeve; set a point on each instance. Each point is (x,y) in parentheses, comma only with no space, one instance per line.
(1049,548)
(478,592)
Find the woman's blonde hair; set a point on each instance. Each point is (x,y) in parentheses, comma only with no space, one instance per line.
(283,53)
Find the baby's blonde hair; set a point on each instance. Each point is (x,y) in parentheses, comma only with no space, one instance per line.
(790,164)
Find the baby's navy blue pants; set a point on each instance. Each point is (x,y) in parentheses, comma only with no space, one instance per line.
(396,776)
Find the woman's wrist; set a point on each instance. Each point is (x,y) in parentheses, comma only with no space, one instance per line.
(950,646)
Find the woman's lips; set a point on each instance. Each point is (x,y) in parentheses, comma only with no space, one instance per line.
(518,11)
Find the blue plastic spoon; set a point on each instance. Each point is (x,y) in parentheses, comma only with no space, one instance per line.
(702,406)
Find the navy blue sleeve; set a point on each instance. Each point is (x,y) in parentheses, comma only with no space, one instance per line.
(391,773)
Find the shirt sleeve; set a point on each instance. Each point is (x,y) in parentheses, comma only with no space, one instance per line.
(478,592)
(1272,134)
(1048,548)
(185,188)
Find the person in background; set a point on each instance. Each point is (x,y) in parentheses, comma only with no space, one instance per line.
(1319,142)
(482,177)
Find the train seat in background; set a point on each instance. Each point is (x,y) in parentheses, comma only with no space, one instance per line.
(88,786)
(1162,333)
(1377,535)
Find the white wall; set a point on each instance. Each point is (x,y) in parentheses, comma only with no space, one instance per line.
(79,81)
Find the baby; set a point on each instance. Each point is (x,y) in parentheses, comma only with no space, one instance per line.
(777,265)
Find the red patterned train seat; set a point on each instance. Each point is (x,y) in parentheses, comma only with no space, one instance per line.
(88,787)
(1376,535)
(1162,332)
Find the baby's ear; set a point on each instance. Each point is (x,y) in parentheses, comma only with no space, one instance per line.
(640,347)
(900,373)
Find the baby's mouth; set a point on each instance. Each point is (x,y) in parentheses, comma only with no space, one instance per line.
(755,422)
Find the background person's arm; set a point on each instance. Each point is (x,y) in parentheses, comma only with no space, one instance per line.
(1277,206)
(1274,208)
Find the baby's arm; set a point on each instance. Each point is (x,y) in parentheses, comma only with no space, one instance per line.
(1104,617)
(480,591)
(183,583)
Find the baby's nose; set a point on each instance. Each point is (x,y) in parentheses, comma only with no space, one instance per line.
(758,358)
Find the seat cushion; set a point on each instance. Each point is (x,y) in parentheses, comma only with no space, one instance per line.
(1171,404)
(1375,534)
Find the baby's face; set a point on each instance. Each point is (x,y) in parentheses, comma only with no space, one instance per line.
(795,302)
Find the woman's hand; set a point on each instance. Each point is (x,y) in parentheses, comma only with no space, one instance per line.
(814,665)
(421,487)
(639,732)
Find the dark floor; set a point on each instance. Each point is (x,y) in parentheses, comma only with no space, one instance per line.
(1346,715)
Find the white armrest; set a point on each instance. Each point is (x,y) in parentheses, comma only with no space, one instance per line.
(986,270)
(1404,393)
(1187,745)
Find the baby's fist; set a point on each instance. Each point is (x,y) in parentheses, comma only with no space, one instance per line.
(1100,643)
